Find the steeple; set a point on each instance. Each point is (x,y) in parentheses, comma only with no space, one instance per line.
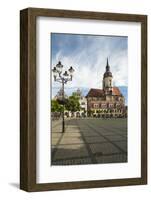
(107,71)
(107,79)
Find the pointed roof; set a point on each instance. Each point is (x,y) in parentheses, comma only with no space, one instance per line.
(107,63)
(107,72)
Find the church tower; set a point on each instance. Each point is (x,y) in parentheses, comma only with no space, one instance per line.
(107,80)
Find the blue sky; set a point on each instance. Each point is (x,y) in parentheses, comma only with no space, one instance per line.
(88,54)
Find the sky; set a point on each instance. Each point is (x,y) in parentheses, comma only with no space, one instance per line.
(88,54)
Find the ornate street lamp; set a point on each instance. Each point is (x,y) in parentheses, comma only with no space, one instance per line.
(62,78)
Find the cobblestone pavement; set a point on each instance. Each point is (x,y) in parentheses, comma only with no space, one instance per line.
(89,141)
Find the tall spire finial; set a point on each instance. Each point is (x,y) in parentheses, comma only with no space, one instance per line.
(107,65)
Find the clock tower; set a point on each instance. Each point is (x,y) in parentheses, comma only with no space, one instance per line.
(107,80)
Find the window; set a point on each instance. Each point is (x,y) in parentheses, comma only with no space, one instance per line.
(103,105)
(110,83)
(96,105)
(111,105)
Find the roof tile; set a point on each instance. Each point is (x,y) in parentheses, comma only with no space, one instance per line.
(99,92)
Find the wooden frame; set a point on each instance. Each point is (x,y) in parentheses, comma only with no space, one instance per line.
(28,98)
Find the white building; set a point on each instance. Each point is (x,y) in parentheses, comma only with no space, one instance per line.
(83,106)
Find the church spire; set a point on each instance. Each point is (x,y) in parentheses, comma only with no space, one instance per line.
(107,66)
(107,79)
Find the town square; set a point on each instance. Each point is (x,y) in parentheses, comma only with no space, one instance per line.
(88,102)
(89,141)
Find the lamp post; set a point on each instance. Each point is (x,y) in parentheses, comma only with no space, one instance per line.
(62,78)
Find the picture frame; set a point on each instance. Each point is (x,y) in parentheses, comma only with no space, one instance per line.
(28,98)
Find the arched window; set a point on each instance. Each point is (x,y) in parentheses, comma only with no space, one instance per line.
(110,83)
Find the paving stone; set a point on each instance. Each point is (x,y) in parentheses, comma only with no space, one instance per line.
(122,145)
(94,139)
(70,140)
(70,134)
(54,141)
(119,158)
(106,133)
(72,131)
(72,161)
(114,137)
(71,127)
(70,151)
(90,133)
(56,135)
(53,148)
(104,148)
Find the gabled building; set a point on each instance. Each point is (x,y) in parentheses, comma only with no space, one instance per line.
(82,102)
(108,101)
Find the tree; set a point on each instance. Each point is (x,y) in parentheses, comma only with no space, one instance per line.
(72,104)
(55,106)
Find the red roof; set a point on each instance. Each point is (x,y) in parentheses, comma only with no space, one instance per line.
(116,91)
(95,93)
(99,93)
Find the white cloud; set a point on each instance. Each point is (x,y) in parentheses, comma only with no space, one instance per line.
(90,62)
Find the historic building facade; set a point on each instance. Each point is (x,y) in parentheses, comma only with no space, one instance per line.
(108,101)
(83,106)
(82,102)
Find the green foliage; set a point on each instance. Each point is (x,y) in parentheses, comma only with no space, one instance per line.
(72,104)
(55,106)
(90,113)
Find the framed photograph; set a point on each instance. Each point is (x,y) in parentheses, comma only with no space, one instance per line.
(83,99)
